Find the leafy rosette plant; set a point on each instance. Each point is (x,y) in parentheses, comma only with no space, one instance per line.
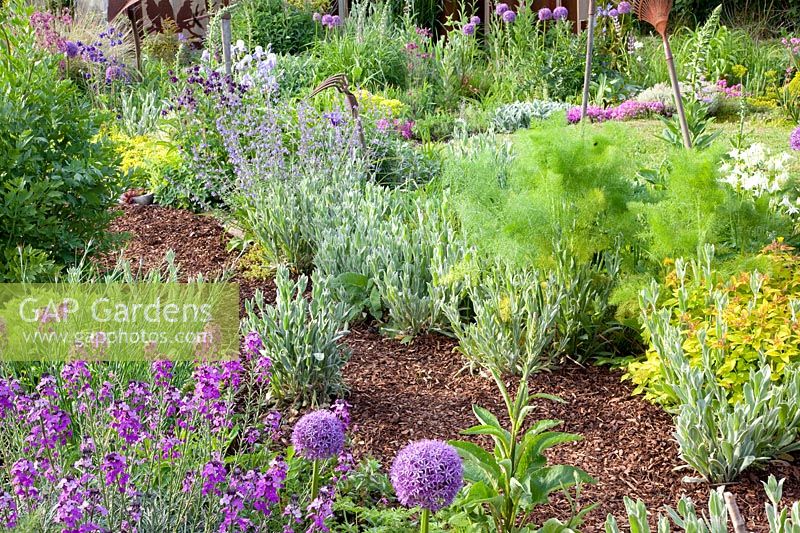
(506,484)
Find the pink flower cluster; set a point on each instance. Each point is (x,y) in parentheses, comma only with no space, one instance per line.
(734,91)
(45,24)
(792,45)
(627,110)
(404,128)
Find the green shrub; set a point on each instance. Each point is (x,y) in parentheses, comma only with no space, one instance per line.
(686,517)
(368,48)
(285,28)
(744,317)
(57,175)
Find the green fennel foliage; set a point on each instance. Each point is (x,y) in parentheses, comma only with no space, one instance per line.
(564,185)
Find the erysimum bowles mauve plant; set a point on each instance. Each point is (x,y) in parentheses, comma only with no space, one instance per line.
(87,450)
(506,485)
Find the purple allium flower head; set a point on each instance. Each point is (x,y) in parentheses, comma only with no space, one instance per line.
(509,16)
(794,139)
(327,19)
(336,21)
(316,17)
(71,49)
(501,8)
(475,20)
(624,7)
(545,14)
(468,29)
(428,474)
(613,13)
(560,13)
(318,435)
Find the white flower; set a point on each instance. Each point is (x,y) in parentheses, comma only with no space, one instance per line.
(638,45)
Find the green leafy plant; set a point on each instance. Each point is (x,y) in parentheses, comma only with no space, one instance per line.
(685,517)
(698,122)
(58,176)
(509,482)
(301,337)
(717,438)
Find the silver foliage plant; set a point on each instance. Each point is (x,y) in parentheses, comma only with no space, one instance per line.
(301,336)
(687,518)
(717,438)
(509,118)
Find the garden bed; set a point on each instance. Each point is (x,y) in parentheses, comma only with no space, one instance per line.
(403,392)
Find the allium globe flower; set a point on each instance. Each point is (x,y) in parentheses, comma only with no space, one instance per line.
(336,21)
(316,17)
(327,19)
(468,29)
(613,13)
(475,20)
(545,14)
(560,13)
(71,49)
(794,139)
(501,8)
(624,7)
(509,16)
(427,474)
(318,435)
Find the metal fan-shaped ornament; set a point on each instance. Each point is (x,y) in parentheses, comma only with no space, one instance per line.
(656,13)
(341,84)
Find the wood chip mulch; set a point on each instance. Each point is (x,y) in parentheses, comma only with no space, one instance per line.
(403,392)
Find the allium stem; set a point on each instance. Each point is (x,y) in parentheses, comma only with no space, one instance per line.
(423,521)
(315,479)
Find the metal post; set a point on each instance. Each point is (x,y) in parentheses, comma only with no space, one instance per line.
(587,73)
(676,89)
(226,40)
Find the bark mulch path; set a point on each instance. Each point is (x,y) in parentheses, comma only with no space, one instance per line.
(403,392)
(407,392)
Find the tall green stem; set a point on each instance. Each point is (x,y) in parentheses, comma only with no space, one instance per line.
(315,479)
(423,521)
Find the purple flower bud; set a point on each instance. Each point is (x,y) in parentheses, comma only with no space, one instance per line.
(560,13)
(545,14)
(316,17)
(475,20)
(624,7)
(509,16)
(318,435)
(501,8)
(613,13)
(427,474)
(468,29)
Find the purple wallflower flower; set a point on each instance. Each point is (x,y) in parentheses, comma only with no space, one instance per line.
(213,474)
(427,474)
(318,435)
(342,411)
(468,29)
(545,14)
(253,344)
(560,13)
(8,511)
(509,16)
(113,467)
(574,115)
(475,20)
(624,7)
(501,8)
(162,372)
(794,139)
(23,478)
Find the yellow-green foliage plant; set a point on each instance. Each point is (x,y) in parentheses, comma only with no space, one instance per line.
(746,316)
(558,187)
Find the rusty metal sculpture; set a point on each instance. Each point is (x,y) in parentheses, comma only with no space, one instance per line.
(656,12)
(341,84)
(587,73)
